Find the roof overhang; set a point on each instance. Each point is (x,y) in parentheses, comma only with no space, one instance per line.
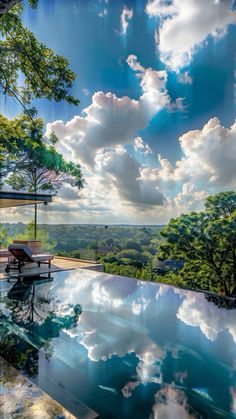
(14,199)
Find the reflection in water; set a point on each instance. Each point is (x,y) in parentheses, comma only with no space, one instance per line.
(138,349)
(172,403)
(233,395)
(194,311)
(35,316)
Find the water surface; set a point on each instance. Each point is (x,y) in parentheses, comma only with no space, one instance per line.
(126,348)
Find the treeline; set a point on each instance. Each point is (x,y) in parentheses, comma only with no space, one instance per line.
(123,249)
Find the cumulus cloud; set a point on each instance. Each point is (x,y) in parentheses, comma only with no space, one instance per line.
(103,13)
(140,145)
(161,191)
(126,16)
(159,7)
(185,78)
(86,92)
(209,158)
(124,172)
(208,165)
(98,139)
(210,154)
(153,83)
(139,192)
(186,24)
(110,120)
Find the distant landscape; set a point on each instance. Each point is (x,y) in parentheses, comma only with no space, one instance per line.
(195,250)
(129,250)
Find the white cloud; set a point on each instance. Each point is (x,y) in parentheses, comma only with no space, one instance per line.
(110,120)
(153,83)
(140,145)
(98,137)
(186,24)
(185,78)
(137,193)
(210,155)
(208,166)
(86,92)
(209,158)
(124,171)
(159,7)
(103,13)
(126,16)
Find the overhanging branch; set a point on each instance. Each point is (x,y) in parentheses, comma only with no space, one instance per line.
(6,5)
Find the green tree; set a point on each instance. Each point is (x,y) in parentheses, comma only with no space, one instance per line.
(29,234)
(46,74)
(40,318)
(3,235)
(24,151)
(19,136)
(205,243)
(29,162)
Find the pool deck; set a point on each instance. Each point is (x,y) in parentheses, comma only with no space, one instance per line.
(59,264)
(21,399)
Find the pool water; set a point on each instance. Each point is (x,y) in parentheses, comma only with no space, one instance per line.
(122,347)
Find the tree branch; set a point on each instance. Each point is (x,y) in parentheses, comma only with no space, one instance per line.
(6,5)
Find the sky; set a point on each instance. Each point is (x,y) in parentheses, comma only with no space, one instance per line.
(155,130)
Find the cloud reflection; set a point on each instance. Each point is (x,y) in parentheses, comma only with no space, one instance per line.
(196,312)
(171,403)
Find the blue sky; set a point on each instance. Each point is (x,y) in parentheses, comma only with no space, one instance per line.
(170,69)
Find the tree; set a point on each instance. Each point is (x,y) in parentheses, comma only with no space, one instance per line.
(6,5)
(47,243)
(3,235)
(44,170)
(38,317)
(30,162)
(19,137)
(46,74)
(205,243)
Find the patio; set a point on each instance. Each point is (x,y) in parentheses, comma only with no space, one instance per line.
(59,264)
(13,199)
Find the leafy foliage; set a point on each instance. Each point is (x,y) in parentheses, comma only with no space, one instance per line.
(47,243)
(45,74)
(33,163)
(3,235)
(205,243)
(36,316)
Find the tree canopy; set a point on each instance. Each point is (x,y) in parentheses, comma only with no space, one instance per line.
(205,243)
(45,73)
(28,161)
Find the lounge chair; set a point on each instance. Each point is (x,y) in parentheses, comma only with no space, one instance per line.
(23,254)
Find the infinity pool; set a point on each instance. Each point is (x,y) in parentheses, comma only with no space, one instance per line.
(122,347)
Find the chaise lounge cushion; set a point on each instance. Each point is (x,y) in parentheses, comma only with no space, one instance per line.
(40,258)
(24,253)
